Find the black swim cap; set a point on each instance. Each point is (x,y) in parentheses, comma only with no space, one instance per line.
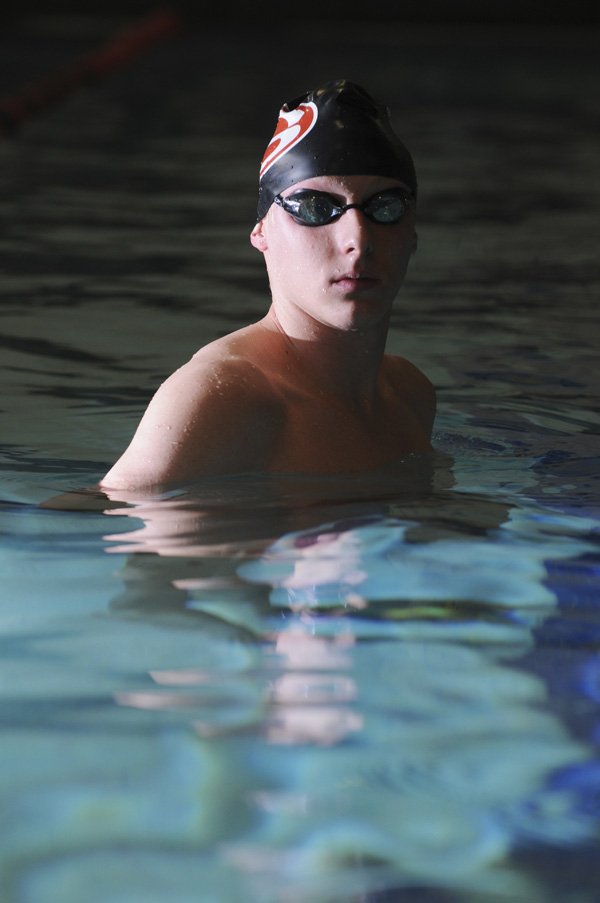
(335,130)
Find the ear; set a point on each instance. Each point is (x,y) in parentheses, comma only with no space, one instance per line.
(258,239)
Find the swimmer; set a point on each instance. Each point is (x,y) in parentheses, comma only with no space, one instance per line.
(308,388)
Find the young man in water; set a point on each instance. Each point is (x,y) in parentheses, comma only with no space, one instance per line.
(309,387)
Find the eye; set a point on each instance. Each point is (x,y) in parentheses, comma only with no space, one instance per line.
(314,209)
(387,208)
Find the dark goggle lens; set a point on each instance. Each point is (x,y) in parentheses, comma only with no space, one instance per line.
(386,208)
(310,208)
(316,208)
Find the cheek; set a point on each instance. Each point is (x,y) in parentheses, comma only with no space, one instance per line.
(297,253)
(402,249)
(307,250)
(397,261)
(293,257)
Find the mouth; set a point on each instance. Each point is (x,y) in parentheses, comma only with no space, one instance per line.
(355,281)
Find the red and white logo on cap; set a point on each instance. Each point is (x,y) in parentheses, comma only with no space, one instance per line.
(291,128)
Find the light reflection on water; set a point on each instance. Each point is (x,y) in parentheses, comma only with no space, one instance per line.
(304,689)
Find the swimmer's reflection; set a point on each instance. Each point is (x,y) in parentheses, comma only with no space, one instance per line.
(218,515)
(313,696)
(195,541)
(207,558)
(303,693)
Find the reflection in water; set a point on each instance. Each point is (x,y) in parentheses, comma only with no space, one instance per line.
(294,702)
(219,510)
(382,733)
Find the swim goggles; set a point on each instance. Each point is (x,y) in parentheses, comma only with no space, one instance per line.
(318,208)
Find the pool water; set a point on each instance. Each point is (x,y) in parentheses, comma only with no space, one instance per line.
(297,689)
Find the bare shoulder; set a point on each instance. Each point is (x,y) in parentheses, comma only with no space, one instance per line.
(204,419)
(214,371)
(414,388)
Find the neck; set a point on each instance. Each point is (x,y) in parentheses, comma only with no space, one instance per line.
(344,363)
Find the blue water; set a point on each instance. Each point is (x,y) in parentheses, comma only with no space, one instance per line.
(295,689)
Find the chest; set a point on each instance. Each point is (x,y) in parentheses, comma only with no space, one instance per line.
(321,435)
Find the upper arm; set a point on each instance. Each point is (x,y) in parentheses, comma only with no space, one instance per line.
(417,391)
(207,418)
(426,403)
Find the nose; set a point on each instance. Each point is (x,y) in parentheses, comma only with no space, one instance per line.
(354,233)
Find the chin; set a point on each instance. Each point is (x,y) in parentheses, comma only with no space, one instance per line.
(356,320)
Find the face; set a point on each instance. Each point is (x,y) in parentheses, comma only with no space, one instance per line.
(345,274)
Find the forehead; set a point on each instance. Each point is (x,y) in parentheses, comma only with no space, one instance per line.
(348,186)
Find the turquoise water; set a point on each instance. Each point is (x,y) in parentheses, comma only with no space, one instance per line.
(296,689)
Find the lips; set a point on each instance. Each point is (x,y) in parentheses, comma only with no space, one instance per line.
(355,280)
